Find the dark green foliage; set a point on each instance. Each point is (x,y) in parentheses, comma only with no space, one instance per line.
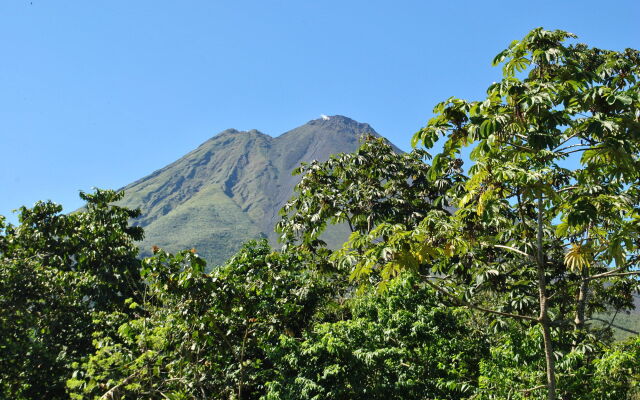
(199,335)
(263,325)
(56,272)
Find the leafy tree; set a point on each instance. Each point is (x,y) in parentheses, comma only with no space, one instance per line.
(57,271)
(546,227)
(395,345)
(374,184)
(199,335)
(513,368)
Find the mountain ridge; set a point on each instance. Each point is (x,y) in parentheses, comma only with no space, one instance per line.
(230,188)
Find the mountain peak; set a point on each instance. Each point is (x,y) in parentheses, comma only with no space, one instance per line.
(231,187)
(340,122)
(229,131)
(232,131)
(334,128)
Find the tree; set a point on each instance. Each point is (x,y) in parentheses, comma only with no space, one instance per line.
(199,335)
(57,272)
(512,369)
(374,184)
(400,344)
(547,225)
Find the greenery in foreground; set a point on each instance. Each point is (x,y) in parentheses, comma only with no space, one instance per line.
(485,285)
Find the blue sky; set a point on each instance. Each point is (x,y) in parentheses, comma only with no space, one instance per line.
(101,93)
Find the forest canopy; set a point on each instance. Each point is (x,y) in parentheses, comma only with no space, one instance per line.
(483,278)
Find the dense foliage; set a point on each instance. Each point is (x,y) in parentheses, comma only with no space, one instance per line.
(57,271)
(399,344)
(194,334)
(547,225)
(454,284)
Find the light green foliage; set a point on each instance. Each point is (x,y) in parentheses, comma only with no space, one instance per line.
(396,345)
(547,225)
(514,370)
(617,373)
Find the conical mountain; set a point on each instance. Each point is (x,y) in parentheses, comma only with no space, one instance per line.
(230,188)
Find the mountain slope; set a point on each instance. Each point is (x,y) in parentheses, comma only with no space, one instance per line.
(231,187)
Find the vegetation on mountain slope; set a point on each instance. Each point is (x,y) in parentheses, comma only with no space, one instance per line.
(230,189)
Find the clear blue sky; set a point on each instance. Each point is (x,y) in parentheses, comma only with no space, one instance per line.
(101,93)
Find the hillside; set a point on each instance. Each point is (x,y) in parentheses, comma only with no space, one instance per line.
(230,188)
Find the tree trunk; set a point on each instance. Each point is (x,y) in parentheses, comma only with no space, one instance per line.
(548,355)
(544,315)
(583,293)
(582,301)
(581,306)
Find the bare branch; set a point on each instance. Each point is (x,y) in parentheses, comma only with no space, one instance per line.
(622,328)
(436,277)
(614,272)
(575,151)
(568,147)
(527,391)
(566,189)
(567,139)
(514,250)
(621,274)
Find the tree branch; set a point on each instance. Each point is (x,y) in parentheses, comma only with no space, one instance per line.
(615,326)
(514,250)
(615,272)
(575,151)
(109,395)
(557,150)
(566,189)
(527,391)
(463,303)
(566,140)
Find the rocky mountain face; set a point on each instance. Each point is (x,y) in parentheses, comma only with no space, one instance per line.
(230,188)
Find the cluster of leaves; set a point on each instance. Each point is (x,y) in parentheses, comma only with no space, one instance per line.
(56,272)
(547,226)
(400,344)
(362,189)
(264,326)
(514,369)
(195,333)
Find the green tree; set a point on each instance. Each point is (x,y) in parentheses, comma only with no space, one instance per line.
(57,271)
(512,369)
(374,184)
(400,344)
(199,335)
(546,227)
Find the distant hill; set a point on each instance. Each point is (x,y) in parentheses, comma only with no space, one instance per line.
(230,188)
